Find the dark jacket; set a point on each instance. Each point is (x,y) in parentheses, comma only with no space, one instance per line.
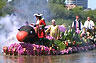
(79,25)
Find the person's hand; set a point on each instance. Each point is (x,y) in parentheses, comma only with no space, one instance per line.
(40,26)
(46,33)
(57,38)
(32,24)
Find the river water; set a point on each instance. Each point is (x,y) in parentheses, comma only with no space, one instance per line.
(84,57)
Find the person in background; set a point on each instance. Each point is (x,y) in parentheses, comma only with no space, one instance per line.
(77,25)
(26,23)
(89,23)
(54,30)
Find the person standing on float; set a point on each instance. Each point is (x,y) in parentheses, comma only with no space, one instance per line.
(54,30)
(40,24)
(77,25)
(89,23)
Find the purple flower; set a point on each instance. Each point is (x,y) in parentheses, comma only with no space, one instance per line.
(50,38)
(62,28)
(28,48)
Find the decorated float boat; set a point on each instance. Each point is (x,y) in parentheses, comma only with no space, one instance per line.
(70,42)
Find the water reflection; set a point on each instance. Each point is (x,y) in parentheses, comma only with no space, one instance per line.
(85,57)
(26,59)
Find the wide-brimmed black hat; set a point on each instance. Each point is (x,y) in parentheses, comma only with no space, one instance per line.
(38,15)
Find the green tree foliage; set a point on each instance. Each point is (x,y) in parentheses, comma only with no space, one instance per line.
(57,1)
(61,13)
(57,10)
(77,10)
(2,4)
(94,15)
(8,9)
(5,7)
(60,21)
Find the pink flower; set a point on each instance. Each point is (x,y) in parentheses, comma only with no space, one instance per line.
(77,31)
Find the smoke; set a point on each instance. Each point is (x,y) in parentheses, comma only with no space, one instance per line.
(8,29)
(26,9)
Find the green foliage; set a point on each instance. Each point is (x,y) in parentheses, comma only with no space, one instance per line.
(5,8)
(68,35)
(57,1)
(61,21)
(60,12)
(94,14)
(57,10)
(2,4)
(8,9)
(76,11)
(60,44)
(76,37)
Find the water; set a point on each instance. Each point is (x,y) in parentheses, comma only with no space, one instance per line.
(84,57)
(26,9)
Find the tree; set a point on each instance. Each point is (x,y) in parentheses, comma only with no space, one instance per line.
(77,10)
(61,13)
(94,15)
(57,1)
(58,9)
(2,4)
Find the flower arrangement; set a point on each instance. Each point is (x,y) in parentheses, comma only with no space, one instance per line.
(27,49)
(38,50)
(70,42)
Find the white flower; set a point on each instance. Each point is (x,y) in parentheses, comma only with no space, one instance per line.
(69,30)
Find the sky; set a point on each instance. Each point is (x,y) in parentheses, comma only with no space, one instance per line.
(92,4)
